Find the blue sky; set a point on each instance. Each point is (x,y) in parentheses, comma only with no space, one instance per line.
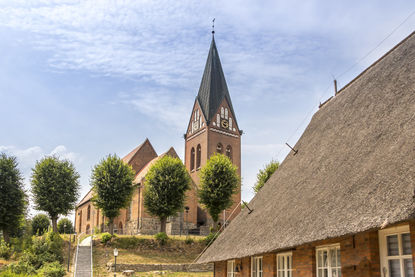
(82,79)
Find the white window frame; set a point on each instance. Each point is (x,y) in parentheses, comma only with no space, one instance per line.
(286,269)
(230,268)
(329,266)
(383,248)
(254,261)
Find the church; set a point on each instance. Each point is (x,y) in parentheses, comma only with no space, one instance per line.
(212,128)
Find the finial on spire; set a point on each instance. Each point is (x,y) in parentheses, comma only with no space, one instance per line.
(213,26)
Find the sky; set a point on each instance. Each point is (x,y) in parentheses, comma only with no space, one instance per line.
(83,79)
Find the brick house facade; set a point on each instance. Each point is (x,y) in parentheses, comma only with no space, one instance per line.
(343,203)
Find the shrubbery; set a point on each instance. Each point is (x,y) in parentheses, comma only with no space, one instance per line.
(40,224)
(210,238)
(161,238)
(106,237)
(189,241)
(5,250)
(61,226)
(42,257)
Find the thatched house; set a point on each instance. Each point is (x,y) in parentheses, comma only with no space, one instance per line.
(343,205)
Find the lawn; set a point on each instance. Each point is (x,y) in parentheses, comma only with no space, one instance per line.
(145,250)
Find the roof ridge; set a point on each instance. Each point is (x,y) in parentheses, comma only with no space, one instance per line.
(376,62)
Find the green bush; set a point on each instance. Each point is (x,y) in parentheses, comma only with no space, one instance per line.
(5,250)
(40,224)
(161,238)
(210,238)
(9,273)
(106,237)
(189,241)
(61,226)
(54,269)
(44,250)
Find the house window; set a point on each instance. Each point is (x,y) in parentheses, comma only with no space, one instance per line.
(230,269)
(396,252)
(198,156)
(284,264)
(218,119)
(328,261)
(219,148)
(88,213)
(192,159)
(256,267)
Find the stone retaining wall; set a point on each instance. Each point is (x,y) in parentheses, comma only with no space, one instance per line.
(162,267)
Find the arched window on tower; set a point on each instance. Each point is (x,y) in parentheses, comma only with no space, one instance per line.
(230,123)
(222,112)
(229,152)
(192,159)
(88,213)
(218,120)
(198,156)
(219,148)
(226,113)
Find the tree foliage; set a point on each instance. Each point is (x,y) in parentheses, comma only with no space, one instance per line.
(218,182)
(112,184)
(12,196)
(62,229)
(264,174)
(55,187)
(40,224)
(165,188)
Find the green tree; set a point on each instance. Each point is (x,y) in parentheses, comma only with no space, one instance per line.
(264,174)
(12,196)
(65,226)
(165,188)
(112,184)
(40,224)
(55,187)
(218,182)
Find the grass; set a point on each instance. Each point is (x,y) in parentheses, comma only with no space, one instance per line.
(145,250)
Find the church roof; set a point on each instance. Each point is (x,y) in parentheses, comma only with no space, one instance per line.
(213,88)
(353,172)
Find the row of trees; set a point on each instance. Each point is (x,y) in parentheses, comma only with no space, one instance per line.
(165,187)
(55,188)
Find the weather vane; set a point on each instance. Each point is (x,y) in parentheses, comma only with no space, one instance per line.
(213,26)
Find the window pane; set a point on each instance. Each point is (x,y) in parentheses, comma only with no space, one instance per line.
(409,270)
(289,266)
(320,273)
(333,254)
(320,258)
(338,258)
(394,268)
(325,273)
(406,244)
(393,245)
(334,273)
(324,258)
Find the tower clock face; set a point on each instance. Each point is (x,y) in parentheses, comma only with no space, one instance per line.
(224,124)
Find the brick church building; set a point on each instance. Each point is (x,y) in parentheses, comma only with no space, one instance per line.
(342,203)
(212,128)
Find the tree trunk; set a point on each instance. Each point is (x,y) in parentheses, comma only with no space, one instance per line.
(163,224)
(55,224)
(6,236)
(111,226)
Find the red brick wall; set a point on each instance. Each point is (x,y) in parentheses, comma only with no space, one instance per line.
(359,257)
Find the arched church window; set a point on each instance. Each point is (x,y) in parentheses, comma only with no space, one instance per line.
(219,148)
(198,156)
(218,120)
(222,112)
(195,116)
(226,113)
(80,222)
(229,152)
(230,123)
(88,213)
(192,159)
(200,122)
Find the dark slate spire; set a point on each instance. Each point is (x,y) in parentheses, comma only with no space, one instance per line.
(213,87)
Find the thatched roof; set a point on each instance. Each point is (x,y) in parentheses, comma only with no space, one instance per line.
(354,170)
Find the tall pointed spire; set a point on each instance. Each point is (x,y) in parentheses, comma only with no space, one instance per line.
(213,88)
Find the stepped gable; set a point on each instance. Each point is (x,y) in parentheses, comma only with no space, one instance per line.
(354,170)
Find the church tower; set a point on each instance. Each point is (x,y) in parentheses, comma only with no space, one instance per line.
(213,127)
